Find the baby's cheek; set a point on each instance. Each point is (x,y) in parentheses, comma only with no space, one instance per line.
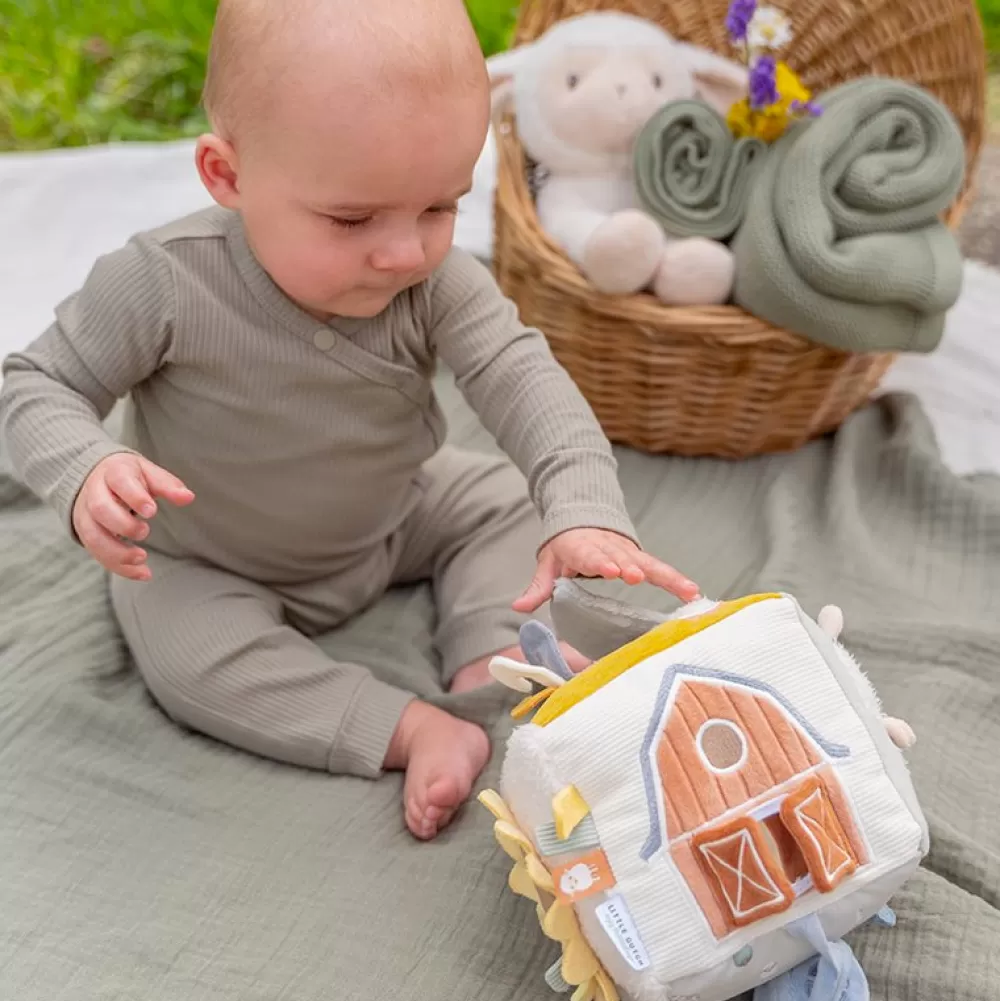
(439,240)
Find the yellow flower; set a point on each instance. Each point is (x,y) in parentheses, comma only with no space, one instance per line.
(767,124)
(790,87)
(770,123)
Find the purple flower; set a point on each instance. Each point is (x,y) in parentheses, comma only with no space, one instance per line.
(763,86)
(740,15)
(809,107)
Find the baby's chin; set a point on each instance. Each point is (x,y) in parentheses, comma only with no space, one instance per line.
(366,303)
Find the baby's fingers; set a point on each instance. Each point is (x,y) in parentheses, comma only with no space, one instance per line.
(113,554)
(626,559)
(164,484)
(106,511)
(125,483)
(592,561)
(662,575)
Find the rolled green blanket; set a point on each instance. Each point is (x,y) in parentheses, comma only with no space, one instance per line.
(842,240)
(691,174)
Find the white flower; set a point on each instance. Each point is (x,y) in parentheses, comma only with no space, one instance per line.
(769,28)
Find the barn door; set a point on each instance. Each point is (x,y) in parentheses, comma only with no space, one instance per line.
(811,818)
(745,875)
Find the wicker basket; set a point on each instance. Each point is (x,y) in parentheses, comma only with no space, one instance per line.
(717,381)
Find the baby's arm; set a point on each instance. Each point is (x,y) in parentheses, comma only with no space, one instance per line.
(526,400)
(541,420)
(108,337)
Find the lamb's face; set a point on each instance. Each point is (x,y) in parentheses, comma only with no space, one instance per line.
(598,97)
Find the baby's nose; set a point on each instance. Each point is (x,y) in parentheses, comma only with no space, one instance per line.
(400,256)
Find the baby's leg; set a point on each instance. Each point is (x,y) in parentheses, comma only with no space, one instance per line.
(217,656)
(475,536)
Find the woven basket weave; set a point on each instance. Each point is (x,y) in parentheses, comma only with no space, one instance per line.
(718,381)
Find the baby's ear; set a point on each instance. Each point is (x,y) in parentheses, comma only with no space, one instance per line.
(720,82)
(503,69)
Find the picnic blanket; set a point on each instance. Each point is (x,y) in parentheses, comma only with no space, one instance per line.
(141,861)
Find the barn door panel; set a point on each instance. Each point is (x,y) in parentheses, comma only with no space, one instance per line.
(745,875)
(811,818)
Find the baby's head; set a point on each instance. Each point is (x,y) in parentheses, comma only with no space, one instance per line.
(344,133)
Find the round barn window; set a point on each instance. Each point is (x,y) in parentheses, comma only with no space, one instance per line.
(722,745)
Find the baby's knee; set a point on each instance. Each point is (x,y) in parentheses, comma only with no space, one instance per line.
(166,656)
(184,637)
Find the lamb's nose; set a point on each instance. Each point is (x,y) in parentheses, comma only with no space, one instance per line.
(622,89)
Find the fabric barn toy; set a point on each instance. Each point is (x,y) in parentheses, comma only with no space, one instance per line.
(710,807)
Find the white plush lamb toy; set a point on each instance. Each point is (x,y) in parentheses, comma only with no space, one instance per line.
(581,93)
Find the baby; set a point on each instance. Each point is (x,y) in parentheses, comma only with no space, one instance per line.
(277,353)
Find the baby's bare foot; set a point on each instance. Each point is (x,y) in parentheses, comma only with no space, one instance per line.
(442,756)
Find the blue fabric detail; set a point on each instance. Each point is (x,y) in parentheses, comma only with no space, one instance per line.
(655,839)
(886,917)
(834,974)
(540,646)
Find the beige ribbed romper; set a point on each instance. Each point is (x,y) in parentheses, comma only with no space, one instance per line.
(316,455)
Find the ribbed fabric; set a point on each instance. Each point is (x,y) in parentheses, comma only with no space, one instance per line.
(301,440)
(306,445)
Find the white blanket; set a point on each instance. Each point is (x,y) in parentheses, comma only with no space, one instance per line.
(60,210)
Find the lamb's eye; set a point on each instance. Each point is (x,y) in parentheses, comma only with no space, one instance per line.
(572,80)
(657,81)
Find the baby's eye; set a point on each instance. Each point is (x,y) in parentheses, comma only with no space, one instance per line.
(349,223)
(572,80)
(657,81)
(449,209)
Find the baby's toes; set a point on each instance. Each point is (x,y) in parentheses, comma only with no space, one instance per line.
(419,822)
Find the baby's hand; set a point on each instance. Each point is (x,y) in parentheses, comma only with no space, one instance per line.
(112,504)
(592,552)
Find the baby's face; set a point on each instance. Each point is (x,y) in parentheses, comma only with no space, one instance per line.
(345,215)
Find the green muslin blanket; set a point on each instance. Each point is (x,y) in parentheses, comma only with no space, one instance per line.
(842,240)
(691,174)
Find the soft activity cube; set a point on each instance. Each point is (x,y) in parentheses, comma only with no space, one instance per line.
(709,808)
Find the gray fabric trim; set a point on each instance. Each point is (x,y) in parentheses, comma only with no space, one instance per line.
(594,624)
(555,980)
(655,839)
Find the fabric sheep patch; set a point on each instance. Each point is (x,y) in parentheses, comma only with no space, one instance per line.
(583,877)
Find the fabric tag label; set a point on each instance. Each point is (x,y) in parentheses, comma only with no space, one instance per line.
(620,928)
(583,877)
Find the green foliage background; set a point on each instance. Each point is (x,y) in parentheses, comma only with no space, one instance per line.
(76,72)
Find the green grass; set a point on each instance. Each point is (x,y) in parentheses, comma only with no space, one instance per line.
(77,72)
(74,72)
(989,11)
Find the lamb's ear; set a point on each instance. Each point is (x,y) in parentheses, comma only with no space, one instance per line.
(503,68)
(720,82)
